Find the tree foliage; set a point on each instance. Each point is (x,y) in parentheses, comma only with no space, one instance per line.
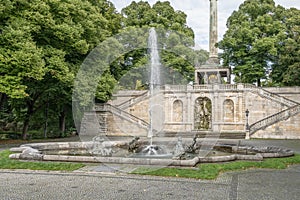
(257,40)
(43,43)
(160,15)
(287,71)
(175,41)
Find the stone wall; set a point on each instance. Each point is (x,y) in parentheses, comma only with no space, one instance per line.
(292,93)
(287,129)
(175,109)
(119,126)
(93,124)
(260,107)
(141,110)
(125,95)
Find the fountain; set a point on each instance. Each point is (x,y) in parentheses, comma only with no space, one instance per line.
(154,89)
(154,76)
(117,153)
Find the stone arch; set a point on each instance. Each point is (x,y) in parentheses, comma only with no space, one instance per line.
(177,111)
(228,110)
(202,114)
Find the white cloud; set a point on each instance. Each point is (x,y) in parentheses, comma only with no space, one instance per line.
(198,14)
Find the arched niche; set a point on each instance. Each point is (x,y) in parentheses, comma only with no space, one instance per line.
(228,111)
(177,111)
(202,114)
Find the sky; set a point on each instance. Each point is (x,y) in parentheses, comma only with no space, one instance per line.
(198,15)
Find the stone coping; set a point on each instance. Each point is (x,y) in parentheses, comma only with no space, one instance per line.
(34,152)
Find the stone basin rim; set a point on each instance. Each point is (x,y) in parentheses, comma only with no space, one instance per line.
(33,151)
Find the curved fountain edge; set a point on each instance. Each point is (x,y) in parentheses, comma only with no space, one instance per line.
(32,152)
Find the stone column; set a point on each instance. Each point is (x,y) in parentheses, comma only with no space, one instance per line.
(213,31)
(189,112)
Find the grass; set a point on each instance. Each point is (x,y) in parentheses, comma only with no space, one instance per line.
(212,170)
(6,163)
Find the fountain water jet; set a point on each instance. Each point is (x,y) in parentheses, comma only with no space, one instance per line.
(154,76)
(154,87)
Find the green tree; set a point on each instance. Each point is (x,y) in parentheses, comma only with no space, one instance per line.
(262,43)
(176,40)
(160,15)
(43,43)
(252,40)
(287,70)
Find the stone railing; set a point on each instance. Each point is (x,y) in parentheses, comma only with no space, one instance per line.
(228,87)
(273,119)
(175,88)
(133,101)
(234,87)
(121,113)
(215,87)
(269,95)
(203,87)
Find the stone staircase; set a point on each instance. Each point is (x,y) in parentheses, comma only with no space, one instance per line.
(273,119)
(292,110)
(133,101)
(206,134)
(122,114)
(93,124)
(293,107)
(269,95)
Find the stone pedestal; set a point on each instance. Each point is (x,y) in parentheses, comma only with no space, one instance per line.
(212,72)
(247,135)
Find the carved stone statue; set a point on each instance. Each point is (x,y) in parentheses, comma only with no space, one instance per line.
(133,145)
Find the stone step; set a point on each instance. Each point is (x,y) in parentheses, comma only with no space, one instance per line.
(205,135)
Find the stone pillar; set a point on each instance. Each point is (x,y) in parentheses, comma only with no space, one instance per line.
(189,112)
(216,112)
(213,31)
(247,135)
(197,81)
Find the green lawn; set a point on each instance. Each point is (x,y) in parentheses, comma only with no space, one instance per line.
(6,163)
(212,170)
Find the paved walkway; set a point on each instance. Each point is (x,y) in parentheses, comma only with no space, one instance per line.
(250,184)
(97,182)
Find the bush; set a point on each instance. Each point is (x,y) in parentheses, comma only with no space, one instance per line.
(10,135)
(35,134)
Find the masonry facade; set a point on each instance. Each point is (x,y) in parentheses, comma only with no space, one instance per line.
(210,109)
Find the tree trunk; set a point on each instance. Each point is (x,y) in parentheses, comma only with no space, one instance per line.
(62,121)
(29,113)
(25,128)
(2,99)
(258,83)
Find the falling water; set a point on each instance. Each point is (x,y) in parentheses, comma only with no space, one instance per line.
(154,76)
(155,61)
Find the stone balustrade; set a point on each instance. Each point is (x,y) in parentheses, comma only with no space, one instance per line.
(285,114)
(133,101)
(121,113)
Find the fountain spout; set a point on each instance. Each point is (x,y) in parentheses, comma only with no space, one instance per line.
(155,81)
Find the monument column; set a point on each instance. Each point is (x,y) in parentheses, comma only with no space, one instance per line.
(212,72)
(213,32)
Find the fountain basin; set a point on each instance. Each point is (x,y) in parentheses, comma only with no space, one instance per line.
(38,151)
